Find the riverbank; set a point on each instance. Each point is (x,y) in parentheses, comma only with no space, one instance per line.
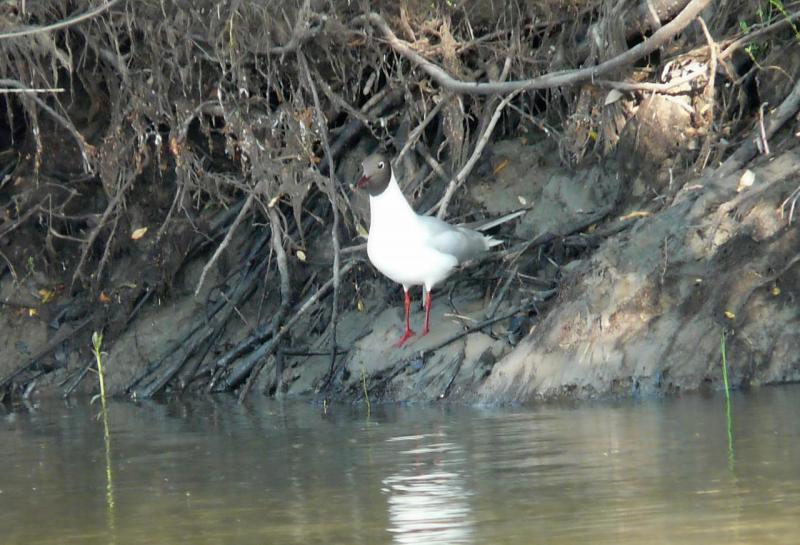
(212,233)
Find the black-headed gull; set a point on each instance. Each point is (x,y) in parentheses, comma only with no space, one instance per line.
(409,248)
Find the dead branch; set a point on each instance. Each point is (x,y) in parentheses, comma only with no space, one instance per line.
(31,91)
(158,375)
(86,149)
(422,354)
(647,86)
(456,182)
(63,334)
(554,79)
(280,258)
(110,209)
(749,148)
(331,190)
(753,35)
(242,368)
(713,48)
(228,237)
(60,24)
(414,135)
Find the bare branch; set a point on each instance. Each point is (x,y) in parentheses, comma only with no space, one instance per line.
(61,24)
(554,79)
(66,123)
(224,244)
(323,131)
(456,182)
(749,147)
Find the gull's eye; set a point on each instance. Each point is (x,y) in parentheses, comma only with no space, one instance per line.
(380,165)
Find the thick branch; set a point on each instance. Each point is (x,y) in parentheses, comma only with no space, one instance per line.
(554,79)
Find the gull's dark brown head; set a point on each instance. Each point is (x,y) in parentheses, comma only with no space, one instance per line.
(375,174)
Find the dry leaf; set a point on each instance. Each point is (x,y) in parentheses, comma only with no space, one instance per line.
(360,305)
(500,167)
(729,315)
(174,146)
(46,295)
(33,312)
(139,233)
(103,298)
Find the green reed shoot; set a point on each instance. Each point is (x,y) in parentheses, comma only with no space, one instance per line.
(97,350)
(726,383)
(97,345)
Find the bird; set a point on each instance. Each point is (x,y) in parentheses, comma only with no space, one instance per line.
(413,249)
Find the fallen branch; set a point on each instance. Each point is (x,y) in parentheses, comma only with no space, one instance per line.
(244,367)
(709,91)
(63,334)
(228,237)
(204,334)
(422,354)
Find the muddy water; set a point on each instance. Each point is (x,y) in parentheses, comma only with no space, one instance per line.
(656,471)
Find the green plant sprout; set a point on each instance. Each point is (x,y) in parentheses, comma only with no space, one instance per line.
(728,416)
(97,344)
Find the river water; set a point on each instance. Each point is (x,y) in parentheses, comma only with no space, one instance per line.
(211,471)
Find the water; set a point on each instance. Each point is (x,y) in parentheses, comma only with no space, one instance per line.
(202,472)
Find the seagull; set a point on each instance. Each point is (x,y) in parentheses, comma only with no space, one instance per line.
(412,249)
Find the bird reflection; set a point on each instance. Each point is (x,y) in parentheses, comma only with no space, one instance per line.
(428,496)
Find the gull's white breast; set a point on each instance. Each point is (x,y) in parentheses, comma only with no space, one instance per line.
(412,249)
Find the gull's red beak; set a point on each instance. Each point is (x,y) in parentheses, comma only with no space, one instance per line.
(363,181)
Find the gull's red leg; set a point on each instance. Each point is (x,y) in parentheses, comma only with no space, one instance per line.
(427,313)
(409,333)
